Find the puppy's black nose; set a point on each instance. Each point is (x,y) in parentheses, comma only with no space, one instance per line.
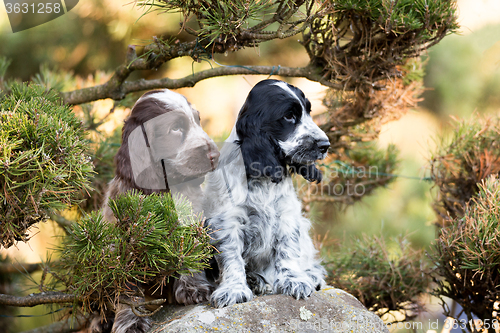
(323,146)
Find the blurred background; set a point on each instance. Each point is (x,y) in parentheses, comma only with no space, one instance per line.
(462,79)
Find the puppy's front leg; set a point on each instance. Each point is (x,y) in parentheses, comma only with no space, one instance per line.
(291,279)
(233,287)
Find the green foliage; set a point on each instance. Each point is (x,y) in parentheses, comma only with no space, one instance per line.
(224,19)
(403,16)
(350,43)
(459,164)
(217,19)
(404,205)
(151,241)
(53,79)
(463,73)
(44,166)
(467,254)
(356,174)
(359,43)
(353,122)
(383,277)
(414,71)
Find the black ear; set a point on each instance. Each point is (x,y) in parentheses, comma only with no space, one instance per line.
(261,158)
(309,172)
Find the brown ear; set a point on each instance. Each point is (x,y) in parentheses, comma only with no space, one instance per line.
(145,109)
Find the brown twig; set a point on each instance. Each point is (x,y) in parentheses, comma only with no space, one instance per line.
(141,313)
(37,299)
(108,90)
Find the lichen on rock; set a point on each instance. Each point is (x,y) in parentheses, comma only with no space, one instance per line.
(330,310)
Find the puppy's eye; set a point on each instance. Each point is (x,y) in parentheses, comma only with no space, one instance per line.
(177,128)
(290,117)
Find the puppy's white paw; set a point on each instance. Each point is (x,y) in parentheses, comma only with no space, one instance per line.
(317,275)
(295,287)
(230,294)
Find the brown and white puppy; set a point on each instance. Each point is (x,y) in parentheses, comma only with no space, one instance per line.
(164,149)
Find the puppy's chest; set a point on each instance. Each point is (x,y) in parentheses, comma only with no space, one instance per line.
(272,210)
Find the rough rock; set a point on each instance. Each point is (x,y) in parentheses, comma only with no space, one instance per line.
(328,310)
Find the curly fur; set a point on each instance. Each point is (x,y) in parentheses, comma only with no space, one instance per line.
(251,204)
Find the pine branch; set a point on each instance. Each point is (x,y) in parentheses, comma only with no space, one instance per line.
(37,299)
(43,151)
(147,245)
(103,91)
(156,54)
(141,313)
(359,64)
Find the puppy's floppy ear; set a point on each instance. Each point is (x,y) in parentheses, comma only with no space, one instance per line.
(260,154)
(309,172)
(261,158)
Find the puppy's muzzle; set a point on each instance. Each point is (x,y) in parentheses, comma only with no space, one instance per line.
(323,146)
(213,157)
(203,158)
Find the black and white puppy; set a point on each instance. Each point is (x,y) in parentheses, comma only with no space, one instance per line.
(250,202)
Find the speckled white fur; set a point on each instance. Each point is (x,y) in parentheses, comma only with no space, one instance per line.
(258,226)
